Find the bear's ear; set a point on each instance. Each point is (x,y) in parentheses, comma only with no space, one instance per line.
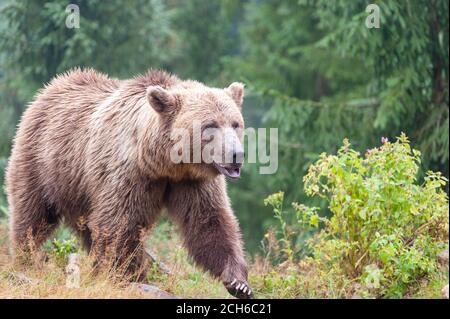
(161,100)
(236,91)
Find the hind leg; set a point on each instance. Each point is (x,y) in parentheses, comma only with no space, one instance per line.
(122,255)
(32,222)
(118,240)
(119,223)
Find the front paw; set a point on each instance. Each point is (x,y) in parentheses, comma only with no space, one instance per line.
(239,289)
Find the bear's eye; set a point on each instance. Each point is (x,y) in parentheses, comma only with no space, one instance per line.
(235,125)
(209,126)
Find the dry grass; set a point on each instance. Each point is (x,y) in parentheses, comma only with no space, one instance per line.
(47,279)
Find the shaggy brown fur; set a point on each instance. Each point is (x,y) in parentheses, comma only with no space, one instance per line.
(95,151)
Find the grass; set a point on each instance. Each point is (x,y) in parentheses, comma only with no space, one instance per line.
(47,279)
(287,280)
(431,288)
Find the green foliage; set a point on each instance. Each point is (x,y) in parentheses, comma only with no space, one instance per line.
(386,229)
(41,45)
(329,77)
(408,56)
(204,29)
(291,236)
(62,248)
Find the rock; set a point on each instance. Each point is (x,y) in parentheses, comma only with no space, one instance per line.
(154,291)
(161,266)
(443,258)
(73,272)
(445,292)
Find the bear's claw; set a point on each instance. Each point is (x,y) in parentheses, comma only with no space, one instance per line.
(239,289)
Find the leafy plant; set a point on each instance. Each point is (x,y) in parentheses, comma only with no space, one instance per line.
(291,235)
(386,229)
(62,248)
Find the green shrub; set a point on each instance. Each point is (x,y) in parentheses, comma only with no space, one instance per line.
(290,237)
(62,248)
(386,229)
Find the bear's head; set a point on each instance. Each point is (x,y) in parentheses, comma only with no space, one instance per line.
(205,124)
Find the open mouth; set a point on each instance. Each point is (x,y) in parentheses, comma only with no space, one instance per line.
(231,171)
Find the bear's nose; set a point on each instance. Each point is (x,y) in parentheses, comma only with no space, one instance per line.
(238,157)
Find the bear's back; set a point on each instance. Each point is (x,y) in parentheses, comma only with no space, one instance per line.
(52,136)
(80,132)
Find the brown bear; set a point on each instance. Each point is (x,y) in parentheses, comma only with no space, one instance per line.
(95,152)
